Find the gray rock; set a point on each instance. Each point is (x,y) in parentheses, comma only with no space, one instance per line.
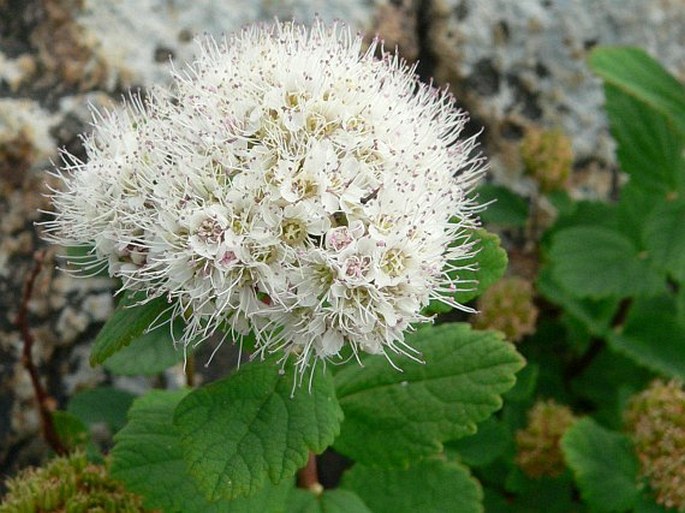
(137,38)
(523,63)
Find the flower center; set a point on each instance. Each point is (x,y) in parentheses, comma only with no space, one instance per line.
(357,266)
(393,262)
(210,231)
(293,231)
(339,238)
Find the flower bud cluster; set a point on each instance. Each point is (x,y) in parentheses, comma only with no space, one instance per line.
(656,420)
(291,184)
(538,445)
(548,157)
(508,306)
(68,483)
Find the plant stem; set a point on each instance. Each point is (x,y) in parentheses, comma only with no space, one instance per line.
(45,401)
(307,476)
(597,344)
(190,370)
(579,366)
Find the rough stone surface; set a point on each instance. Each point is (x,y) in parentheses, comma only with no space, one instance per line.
(137,38)
(522,64)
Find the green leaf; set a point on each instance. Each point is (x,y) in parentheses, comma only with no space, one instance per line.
(604,382)
(481,449)
(653,336)
(392,417)
(239,431)
(583,213)
(601,263)
(680,305)
(589,213)
(101,404)
(491,262)
(431,486)
(148,459)
(128,321)
(604,465)
(478,272)
(562,202)
(148,354)
(634,208)
(526,383)
(647,504)
(494,502)
(550,495)
(71,430)
(595,315)
(330,501)
(649,149)
(664,237)
(505,207)
(635,73)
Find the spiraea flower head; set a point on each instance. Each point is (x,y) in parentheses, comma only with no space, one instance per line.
(291,184)
(538,450)
(656,421)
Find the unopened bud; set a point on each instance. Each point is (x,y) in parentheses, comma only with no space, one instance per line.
(547,157)
(656,421)
(538,450)
(70,484)
(508,307)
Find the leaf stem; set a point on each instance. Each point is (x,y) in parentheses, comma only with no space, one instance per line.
(597,344)
(308,478)
(46,403)
(190,370)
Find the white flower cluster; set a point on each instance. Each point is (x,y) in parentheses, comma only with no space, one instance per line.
(290,184)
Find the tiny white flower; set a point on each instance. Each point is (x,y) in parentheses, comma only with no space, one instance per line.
(290,184)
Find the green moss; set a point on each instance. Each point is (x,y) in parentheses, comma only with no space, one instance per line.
(68,484)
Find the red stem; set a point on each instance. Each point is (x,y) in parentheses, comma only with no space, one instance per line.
(44,400)
(307,476)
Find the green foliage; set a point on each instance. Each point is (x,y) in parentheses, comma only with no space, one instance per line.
(490,263)
(604,465)
(481,449)
(102,404)
(129,321)
(254,425)
(636,74)
(148,459)
(504,207)
(595,315)
(649,150)
(330,501)
(664,234)
(654,336)
(613,277)
(393,418)
(71,430)
(601,263)
(431,486)
(634,256)
(147,354)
